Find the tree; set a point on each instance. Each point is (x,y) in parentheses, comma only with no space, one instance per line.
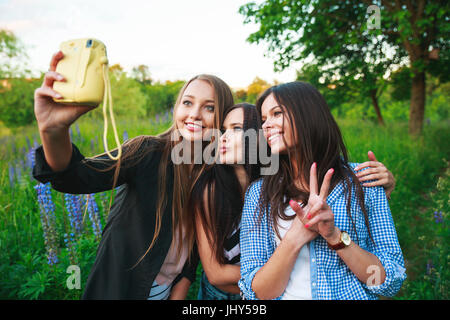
(12,56)
(17,100)
(343,40)
(255,88)
(142,74)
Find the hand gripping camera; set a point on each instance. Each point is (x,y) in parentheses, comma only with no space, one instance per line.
(85,68)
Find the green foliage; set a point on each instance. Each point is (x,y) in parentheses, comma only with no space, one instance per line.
(127,97)
(17,100)
(161,97)
(12,55)
(338,39)
(419,193)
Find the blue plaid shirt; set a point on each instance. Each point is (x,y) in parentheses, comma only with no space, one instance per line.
(330,276)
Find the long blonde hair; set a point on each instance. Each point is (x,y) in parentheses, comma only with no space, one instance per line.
(136,149)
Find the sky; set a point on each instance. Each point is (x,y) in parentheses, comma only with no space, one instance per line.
(175,39)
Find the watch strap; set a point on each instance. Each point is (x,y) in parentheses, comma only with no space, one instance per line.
(339,245)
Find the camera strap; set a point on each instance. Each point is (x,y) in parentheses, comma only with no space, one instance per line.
(108,104)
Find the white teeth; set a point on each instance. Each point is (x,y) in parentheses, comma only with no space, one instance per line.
(273,136)
(194,125)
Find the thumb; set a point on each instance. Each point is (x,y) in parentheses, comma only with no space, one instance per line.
(372,156)
(297,209)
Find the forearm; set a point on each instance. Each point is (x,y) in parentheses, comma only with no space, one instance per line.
(180,289)
(57,148)
(271,280)
(361,262)
(230,288)
(222,274)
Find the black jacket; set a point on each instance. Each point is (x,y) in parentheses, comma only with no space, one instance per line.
(130,226)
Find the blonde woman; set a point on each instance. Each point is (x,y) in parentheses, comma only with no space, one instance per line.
(146,243)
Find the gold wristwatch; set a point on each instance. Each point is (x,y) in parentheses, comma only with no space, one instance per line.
(345,242)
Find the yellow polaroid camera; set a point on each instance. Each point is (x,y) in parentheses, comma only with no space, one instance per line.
(85,68)
(82,66)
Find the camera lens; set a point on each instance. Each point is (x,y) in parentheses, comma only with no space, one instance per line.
(89,43)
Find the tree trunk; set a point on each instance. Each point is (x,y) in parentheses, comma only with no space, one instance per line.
(417,108)
(373,95)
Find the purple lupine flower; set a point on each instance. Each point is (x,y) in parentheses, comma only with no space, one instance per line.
(157,118)
(48,221)
(125,136)
(28,142)
(94,215)
(69,240)
(31,159)
(52,257)
(77,128)
(11,175)
(73,206)
(23,151)
(438,217)
(71,133)
(92,144)
(18,171)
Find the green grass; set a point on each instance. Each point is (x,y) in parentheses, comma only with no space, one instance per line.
(422,189)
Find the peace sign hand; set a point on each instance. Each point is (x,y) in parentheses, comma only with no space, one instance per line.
(317,215)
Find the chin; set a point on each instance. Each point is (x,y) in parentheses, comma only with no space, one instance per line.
(191,136)
(276,149)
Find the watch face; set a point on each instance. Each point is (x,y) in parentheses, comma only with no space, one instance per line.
(345,238)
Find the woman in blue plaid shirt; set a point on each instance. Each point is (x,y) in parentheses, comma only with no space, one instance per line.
(311,231)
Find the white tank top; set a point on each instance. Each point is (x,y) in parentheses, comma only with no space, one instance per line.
(299,285)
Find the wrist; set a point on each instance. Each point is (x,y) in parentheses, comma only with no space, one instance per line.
(334,237)
(52,131)
(294,243)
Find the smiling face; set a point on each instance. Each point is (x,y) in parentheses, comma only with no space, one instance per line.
(231,141)
(276,126)
(195,112)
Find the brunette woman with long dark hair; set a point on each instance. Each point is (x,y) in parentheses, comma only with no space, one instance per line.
(311,231)
(149,236)
(217,199)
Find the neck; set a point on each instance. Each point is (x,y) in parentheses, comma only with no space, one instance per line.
(299,179)
(242,176)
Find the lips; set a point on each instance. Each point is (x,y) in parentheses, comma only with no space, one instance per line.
(272,136)
(193,127)
(223,150)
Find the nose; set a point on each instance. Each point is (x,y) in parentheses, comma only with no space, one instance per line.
(194,112)
(223,138)
(267,124)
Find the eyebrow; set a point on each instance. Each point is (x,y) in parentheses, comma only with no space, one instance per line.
(192,97)
(277,106)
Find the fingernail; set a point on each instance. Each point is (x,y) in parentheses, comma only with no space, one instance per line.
(306,225)
(291,202)
(59,77)
(309,216)
(58,96)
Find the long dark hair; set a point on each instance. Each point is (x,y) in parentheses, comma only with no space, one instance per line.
(217,196)
(317,139)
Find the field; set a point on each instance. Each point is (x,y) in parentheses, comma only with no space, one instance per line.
(38,243)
